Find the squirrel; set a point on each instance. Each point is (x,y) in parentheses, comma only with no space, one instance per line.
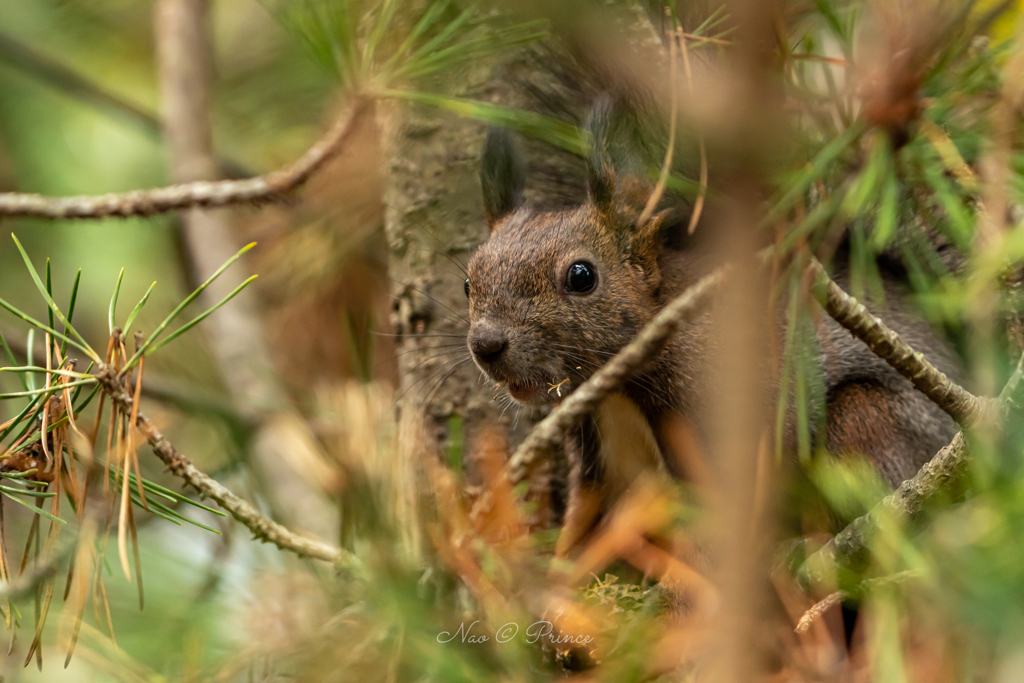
(553,294)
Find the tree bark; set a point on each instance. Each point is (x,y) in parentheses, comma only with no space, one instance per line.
(434,219)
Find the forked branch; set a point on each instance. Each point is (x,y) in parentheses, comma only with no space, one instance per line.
(961,405)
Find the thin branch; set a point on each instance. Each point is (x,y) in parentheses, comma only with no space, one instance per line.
(269,187)
(964,407)
(830,601)
(942,476)
(940,479)
(818,609)
(48,70)
(262,528)
(644,347)
(27,583)
(698,205)
(666,167)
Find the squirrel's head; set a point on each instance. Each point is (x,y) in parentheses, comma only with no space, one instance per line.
(554,294)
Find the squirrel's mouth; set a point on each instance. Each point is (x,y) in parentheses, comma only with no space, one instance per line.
(538,393)
(526,392)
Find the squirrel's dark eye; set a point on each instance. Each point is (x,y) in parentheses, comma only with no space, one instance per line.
(467,287)
(580,278)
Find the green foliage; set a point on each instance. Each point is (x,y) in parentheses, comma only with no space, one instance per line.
(23,431)
(353,38)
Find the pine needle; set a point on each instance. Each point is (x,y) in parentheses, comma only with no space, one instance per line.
(132,447)
(122,517)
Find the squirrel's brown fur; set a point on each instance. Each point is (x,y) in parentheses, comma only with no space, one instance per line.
(532,335)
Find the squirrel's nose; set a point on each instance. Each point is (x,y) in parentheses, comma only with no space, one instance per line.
(488,345)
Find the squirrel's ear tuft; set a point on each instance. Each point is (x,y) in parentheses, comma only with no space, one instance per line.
(600,173)
(502,174)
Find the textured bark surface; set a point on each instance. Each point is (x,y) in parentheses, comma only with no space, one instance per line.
(434,219)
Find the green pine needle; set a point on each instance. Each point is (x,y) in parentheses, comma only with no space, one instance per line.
(84,346)
(189,299)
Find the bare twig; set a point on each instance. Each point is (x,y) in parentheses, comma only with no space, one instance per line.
(269,187)
(666,167)
(264,529)
(819,608)
(830,601)
(939,479)
(26,583)
(46,69)
(698,205)
(644,347)
(942,475)
(967,409)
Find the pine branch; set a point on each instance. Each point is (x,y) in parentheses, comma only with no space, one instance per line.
(838,597)
(964,407)
(644,347)
(943,476)
(269,187)
(262,528)
(939,479)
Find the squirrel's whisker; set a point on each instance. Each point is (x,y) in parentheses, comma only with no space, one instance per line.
(639,379)
(438,355)
(445,378)
(413,335)
(431,376)
(396,356)
(439,303)
(458,264)
(437,239)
